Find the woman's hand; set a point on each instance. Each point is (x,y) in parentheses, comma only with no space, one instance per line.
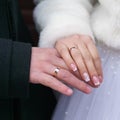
(80,53)
(49,69)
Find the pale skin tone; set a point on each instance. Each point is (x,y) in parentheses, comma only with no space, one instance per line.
(43,63)
(77,58)
(80,54)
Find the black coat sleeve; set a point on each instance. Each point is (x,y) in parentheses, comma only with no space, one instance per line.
(14,68)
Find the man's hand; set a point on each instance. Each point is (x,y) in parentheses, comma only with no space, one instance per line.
(79,53)
(49,69)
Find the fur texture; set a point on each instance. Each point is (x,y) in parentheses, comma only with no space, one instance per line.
(105,21)
(61,18)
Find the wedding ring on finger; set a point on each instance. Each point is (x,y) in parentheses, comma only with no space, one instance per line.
(56,71)
(72,48)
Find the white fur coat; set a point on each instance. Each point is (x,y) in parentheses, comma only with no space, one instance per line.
(60,18)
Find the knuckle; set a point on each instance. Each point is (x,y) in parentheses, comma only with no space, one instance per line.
(76,36)
(87,39)
(60,46)
(58,43)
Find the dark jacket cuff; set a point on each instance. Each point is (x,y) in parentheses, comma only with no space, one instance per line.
(20,68)
(5,59)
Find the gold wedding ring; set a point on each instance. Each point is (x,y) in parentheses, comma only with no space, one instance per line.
(73,48)
(56,70)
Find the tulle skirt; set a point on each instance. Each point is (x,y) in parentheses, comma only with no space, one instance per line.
(104,102)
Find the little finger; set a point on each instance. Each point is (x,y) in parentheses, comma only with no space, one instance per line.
(96,59)
(89,64)
(54,83)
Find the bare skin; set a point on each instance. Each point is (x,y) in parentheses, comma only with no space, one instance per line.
(80,54)
(43,63)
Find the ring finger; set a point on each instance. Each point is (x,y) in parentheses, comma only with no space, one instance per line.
(67,77)
(76,55)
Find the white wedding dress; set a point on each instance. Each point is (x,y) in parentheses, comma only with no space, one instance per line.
(104,102)
(60,18)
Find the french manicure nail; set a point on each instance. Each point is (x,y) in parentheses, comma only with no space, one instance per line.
(74,68)
(100,78)
(86,77)
(96,81)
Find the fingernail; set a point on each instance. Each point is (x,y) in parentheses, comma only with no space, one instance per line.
(86,77)
(100,78)
(96,81)
(74,68)
(88,89)
(70,91)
